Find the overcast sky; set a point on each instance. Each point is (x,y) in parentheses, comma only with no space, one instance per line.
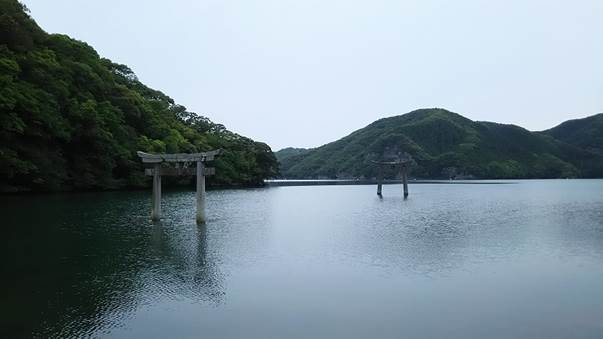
(307,72)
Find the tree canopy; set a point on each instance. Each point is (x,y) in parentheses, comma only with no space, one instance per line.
(72,120)
(445,144)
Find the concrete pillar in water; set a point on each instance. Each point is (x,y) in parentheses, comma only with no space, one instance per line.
(200,192)
(156,209)
(380,180)
(405,181)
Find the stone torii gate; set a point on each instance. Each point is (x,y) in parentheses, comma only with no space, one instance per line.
(181,168)
(402,164)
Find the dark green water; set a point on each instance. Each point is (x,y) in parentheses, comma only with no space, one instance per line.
(523,260)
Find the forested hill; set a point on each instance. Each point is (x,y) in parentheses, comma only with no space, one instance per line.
(71,120)
(445,144)
(584,133)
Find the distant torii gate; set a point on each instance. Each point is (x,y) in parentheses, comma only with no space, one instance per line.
(403,167)
(180,159)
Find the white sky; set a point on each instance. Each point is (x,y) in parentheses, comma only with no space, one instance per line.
(307,72)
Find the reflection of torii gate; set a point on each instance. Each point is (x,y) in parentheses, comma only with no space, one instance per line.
(403,166)
(182,160)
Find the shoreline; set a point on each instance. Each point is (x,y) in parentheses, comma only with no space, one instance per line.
(330,182)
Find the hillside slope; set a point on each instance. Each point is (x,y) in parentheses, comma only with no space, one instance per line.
(286,153)
(444,144)
(71,120)
(584,133)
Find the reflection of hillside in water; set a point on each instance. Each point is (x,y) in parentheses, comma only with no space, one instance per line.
(92,261)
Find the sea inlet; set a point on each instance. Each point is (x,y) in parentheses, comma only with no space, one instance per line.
(521,260)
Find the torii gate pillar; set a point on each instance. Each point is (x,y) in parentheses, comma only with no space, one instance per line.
(200,192)
(405,180)
(380,180)
(156,207)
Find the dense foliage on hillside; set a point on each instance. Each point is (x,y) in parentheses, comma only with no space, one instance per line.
(288,152)
(72,120)
(584,133)
(444,144)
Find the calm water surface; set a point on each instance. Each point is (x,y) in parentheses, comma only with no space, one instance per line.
(521,260)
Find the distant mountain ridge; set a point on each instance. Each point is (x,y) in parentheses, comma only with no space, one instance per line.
(586,133)
(445,144)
